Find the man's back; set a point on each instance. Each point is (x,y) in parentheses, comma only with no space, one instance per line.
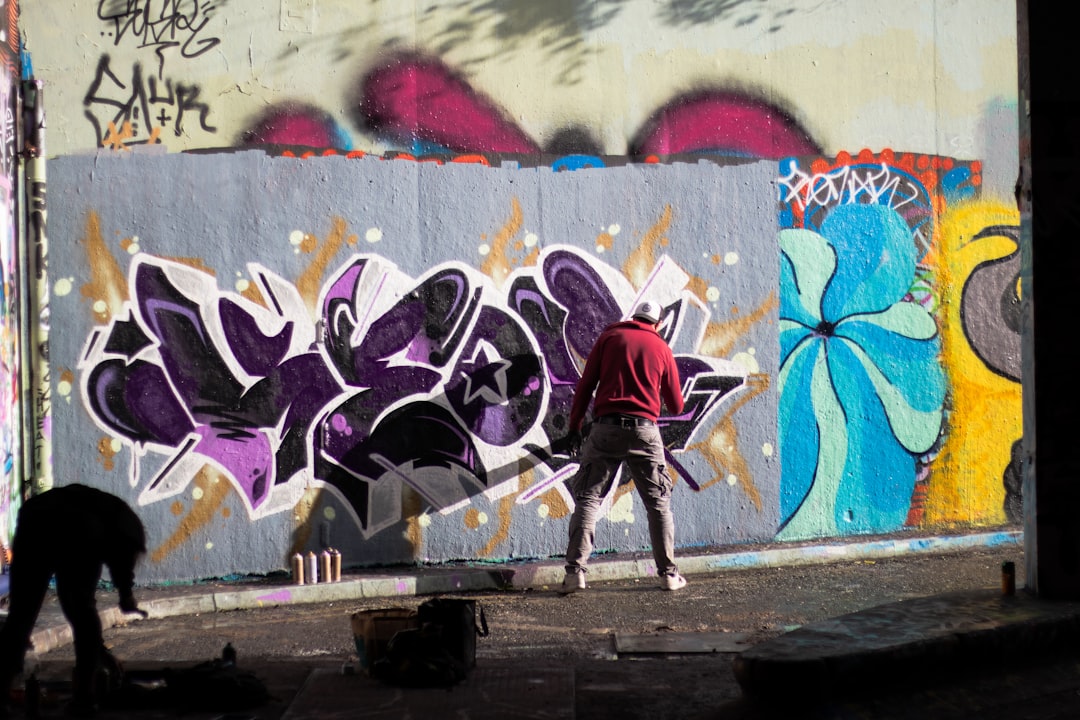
(632,370)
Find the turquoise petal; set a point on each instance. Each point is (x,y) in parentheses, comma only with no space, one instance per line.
(879,474)
(909,364)
(807,264)
(904,318)
(798,431)
(815,516)
(878,256)
(915,429)
(791,334)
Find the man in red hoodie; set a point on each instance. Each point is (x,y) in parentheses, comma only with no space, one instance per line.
(631,369)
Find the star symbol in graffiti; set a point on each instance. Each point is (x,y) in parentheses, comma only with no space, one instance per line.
(488,378)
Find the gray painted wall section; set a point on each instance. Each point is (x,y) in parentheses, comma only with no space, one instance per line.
(714,224)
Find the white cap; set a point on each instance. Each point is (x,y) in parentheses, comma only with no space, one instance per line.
(647,311)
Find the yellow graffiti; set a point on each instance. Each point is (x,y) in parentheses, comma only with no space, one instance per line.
(965,483)
(107,290)
(212,488)
(310,280)
(496,265)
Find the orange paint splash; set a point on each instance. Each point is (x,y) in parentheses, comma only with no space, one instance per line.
(642,260)
(723,443)
(215,488)
(411,507)
(721,337)
(497,265)
(114,139)
(108,285)
(106,454)
(556,503)
(506,508)
(254,293)
(303,512)
(310,280)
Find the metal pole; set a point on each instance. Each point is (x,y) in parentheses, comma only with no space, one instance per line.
(38,255)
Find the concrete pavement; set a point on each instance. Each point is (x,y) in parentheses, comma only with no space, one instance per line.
(887,644)
(52,631)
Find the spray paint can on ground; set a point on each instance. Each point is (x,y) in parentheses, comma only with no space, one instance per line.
(335,558)
(1008,578)
(325,570)
(312,568)
(298,569)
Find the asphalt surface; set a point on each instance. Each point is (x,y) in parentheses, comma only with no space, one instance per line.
(623,648)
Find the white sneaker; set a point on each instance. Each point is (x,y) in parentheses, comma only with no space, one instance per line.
(672,582)
(572,583)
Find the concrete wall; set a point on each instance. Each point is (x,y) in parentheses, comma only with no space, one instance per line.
(301,336)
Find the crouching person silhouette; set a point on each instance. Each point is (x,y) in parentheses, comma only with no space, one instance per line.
(70,532)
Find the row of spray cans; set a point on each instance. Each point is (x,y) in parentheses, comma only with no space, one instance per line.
(322,568)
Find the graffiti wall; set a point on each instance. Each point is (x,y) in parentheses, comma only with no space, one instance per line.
(396,383)
(10,381)
(325,272)
(614,77)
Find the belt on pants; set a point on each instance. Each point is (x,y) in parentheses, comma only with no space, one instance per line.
(624,420)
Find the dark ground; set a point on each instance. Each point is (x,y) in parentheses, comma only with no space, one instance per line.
(539,631)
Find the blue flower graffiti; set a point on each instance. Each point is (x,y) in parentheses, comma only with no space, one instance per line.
(861,388)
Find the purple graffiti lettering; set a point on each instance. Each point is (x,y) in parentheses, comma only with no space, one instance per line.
(442,385)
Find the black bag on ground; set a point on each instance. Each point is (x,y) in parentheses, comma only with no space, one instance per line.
(417,657)
(458,620)
(438,653)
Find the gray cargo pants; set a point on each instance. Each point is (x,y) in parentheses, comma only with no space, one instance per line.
(641,449)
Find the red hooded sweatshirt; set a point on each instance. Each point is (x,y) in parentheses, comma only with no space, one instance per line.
(631,369)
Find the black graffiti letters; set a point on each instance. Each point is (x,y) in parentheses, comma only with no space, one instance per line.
(161,25)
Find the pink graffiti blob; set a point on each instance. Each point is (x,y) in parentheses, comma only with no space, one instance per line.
(726,122)
(422,99)
(293,125)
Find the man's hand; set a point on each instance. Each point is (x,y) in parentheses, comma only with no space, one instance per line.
(573,442)
(129,605)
